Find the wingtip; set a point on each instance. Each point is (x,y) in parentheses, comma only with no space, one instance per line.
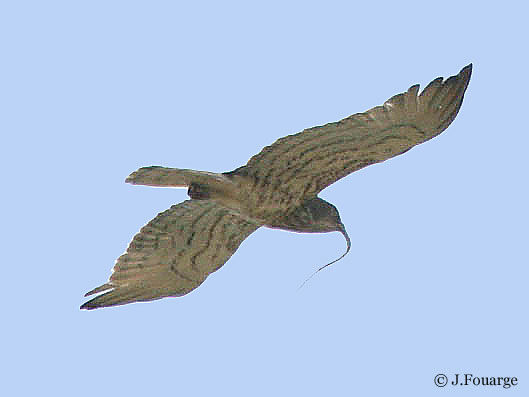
(97,302)
(464,76)
(90,305)
(466,71)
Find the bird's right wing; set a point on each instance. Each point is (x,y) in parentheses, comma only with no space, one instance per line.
(305,163)
(174,253)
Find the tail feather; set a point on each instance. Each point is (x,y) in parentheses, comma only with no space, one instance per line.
(173,177)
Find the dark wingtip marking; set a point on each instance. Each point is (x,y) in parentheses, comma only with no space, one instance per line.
(90,305)
(464,76)
(96,302)
(86,306)
(114,297)
(467,69)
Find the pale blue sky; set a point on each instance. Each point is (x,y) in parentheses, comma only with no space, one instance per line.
(436,281)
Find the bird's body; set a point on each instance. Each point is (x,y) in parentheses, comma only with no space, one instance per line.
(237,190)
(175,252)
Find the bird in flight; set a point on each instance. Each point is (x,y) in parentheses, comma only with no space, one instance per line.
(278,188)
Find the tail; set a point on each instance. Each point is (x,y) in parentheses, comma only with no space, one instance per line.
(175,177)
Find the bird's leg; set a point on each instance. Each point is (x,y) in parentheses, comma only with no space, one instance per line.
(198,191)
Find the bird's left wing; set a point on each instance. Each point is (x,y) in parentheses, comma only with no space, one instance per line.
(305,163)
(174,253)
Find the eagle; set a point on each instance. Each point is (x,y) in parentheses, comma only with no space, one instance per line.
(278,188)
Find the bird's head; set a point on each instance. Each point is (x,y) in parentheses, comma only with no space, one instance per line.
(325,218)
(314,216)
